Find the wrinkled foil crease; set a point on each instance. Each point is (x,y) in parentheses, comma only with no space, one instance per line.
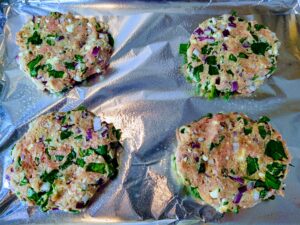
(146,96)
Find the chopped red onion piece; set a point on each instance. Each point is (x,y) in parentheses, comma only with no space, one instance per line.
(239,195)
(218,80)
(89,134)
(231,19)
(205,38)
(246,44)
(195,145)
(237,179)
(232,24)
(95,51)
(33,19)
(242,189)
(59,38)
(226,33)
(225,47)
(237,198)
(198,31)
(234,86)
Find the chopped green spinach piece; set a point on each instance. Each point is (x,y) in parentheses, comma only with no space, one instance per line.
(276,168)
(56,74)
(211,60)
(79,58)
(69,160)
(59,157)
(32,195)
(258,27)
(101,150)
(194,192)
(275,150)
(35,39)
(271,181)
(259,48)
(66,134)
(232,58)
(78,137)
(252,165)
(206,50)
(183,47)
(96,167)
(32,65)
(24,181)
(263,119)
(247,130)
(50,177)
(243,55)
(262,132)
(80,162)
(70,65)
(263,194)
(86,152)
(230,72)
(213,70)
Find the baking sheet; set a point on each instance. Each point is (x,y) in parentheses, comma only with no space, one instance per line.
(145,95)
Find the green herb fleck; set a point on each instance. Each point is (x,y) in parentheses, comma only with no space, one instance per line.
(213,145)
(243,39)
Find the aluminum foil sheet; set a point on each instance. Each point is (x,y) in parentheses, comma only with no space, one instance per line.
(146,96)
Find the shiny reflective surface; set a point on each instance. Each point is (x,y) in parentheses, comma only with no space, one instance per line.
(146,96)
